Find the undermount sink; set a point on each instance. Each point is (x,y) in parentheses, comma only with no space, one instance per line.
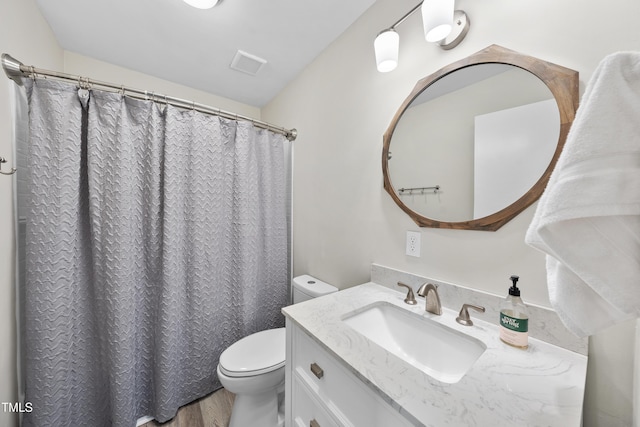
(441,352)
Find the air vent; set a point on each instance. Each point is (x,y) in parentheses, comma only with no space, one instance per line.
(247,63)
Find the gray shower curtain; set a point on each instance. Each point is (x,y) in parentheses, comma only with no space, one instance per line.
(155,237)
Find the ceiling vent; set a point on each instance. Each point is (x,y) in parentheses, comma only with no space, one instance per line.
(247,63)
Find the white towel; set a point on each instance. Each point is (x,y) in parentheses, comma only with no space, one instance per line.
(588,219)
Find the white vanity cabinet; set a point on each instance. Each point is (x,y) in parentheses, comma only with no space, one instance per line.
(337,375)
(321,392)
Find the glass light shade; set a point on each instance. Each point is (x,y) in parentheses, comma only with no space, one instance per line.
(386,46)
(437,19)
(202,4)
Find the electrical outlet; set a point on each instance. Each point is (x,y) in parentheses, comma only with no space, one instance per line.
(413,243)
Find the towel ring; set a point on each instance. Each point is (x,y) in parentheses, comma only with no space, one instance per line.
(2,161)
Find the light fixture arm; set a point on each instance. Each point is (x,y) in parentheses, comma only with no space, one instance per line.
(439,28)
(406,15)
(387,44)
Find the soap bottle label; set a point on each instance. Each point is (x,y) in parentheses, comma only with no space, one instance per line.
(514,331)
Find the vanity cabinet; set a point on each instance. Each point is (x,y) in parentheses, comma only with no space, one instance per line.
(337,374)
(321,392)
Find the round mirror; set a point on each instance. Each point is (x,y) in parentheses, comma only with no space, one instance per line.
(474,144)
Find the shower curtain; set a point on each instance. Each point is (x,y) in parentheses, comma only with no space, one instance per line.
(155,238)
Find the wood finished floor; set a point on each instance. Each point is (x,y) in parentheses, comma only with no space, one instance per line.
(213,410)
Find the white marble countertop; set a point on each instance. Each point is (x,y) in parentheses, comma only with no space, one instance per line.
(540,386)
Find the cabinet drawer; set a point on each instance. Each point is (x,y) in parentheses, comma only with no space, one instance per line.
(350,401)
(314,367)
(308,412)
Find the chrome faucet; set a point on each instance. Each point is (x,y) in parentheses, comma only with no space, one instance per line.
(432,299)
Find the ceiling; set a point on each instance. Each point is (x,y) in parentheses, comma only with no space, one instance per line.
(174,41)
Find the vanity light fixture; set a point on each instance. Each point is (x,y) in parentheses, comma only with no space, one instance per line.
(387,45)
(437,19)
(201,4)
(441,22)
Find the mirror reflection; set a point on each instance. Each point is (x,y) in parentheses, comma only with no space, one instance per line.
(473,142)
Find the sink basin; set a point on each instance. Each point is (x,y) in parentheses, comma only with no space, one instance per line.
(439,351)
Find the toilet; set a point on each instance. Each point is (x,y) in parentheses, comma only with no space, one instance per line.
(253,367)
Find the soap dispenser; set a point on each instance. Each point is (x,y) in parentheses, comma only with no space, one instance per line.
(514,320)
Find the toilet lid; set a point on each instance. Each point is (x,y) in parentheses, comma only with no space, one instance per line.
(255,354)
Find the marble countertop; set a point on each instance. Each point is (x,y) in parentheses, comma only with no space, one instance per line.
(540,386)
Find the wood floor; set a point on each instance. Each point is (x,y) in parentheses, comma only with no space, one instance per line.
(213,410)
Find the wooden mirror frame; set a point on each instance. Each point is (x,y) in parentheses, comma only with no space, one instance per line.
(563,84)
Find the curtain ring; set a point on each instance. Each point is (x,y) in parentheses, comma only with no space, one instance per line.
(83,83)
(32,71)
(122,90)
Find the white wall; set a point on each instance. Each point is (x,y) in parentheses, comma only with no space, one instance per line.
(512,149)
(344,220)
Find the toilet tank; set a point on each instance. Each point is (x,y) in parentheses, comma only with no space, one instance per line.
(306,287)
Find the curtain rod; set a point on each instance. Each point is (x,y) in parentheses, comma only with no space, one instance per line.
(15,69)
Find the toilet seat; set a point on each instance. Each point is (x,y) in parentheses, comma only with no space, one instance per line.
(255,354)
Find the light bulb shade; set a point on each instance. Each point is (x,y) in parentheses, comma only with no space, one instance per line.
(386,46)
(437,19)
(202,4)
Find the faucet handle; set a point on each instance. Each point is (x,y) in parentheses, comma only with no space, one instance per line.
(464,318)
(410,299)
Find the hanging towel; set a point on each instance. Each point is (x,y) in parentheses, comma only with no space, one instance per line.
(588,219)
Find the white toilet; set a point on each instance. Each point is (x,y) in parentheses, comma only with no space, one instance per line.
(253,367)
